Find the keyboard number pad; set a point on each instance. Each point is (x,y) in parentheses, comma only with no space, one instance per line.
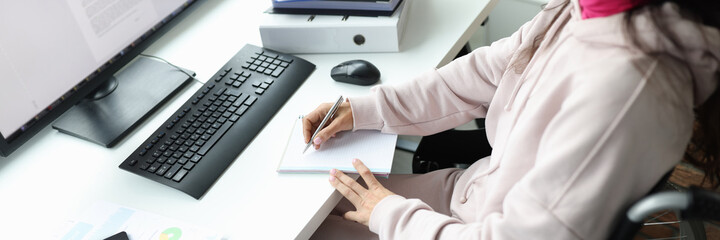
(267,63)
(237,78)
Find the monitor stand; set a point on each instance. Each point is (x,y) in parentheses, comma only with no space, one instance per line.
(122,103)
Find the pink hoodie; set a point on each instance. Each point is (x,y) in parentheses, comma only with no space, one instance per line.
(576,137)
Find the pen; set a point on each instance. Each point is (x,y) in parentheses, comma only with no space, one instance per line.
(327,117)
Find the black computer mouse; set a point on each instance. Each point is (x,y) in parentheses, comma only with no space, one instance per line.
(358,72)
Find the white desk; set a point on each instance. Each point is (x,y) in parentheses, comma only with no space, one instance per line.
(54,177)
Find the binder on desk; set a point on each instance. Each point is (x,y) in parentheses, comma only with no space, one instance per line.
(373,5)
(373,148)
(338,12)
(293,33)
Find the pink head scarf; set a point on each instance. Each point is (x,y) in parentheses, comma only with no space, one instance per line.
(602,8)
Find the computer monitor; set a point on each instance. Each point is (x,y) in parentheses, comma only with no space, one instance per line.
(54,53)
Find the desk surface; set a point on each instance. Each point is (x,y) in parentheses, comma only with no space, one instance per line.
(53,177)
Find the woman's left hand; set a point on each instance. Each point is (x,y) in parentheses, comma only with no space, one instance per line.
(363,199)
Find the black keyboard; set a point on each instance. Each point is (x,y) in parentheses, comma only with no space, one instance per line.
(193,147)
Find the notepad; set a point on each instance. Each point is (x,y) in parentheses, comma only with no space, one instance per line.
(373,148)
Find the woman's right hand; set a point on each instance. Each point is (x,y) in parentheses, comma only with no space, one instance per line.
(342,121)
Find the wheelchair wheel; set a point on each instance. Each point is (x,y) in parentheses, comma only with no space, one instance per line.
(669,225)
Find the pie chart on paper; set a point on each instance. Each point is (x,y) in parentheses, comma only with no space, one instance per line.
(172,233)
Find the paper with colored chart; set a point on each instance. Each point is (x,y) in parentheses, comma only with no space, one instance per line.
(105,219)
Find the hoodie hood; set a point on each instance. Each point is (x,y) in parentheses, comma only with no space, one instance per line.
(699,45)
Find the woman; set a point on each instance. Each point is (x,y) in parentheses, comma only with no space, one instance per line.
(587,106)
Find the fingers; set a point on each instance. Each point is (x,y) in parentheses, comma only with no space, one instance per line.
(327,133)
(352,216)
(366,174)
(344,189)
(341,121)
(313,119)
(350,182)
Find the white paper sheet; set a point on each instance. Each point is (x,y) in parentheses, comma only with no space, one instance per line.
(373,148)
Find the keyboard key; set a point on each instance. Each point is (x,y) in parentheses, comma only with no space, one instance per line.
(154,167)
(285,58)
(203,137)
(241,110)
(270,55)
(277,72)
(181,150)
(133,162)
(259,91)
(144,166)
(194,148)
(171,172)
(189,165)
(240,100)
(179,176)
(195,158)
(161,171)
(219,92)
(214,138)
(250,100)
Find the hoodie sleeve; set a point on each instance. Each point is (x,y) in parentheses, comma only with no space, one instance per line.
(439,99)
(594,157)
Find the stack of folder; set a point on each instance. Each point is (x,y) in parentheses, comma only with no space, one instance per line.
(337,7)
(334,26)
